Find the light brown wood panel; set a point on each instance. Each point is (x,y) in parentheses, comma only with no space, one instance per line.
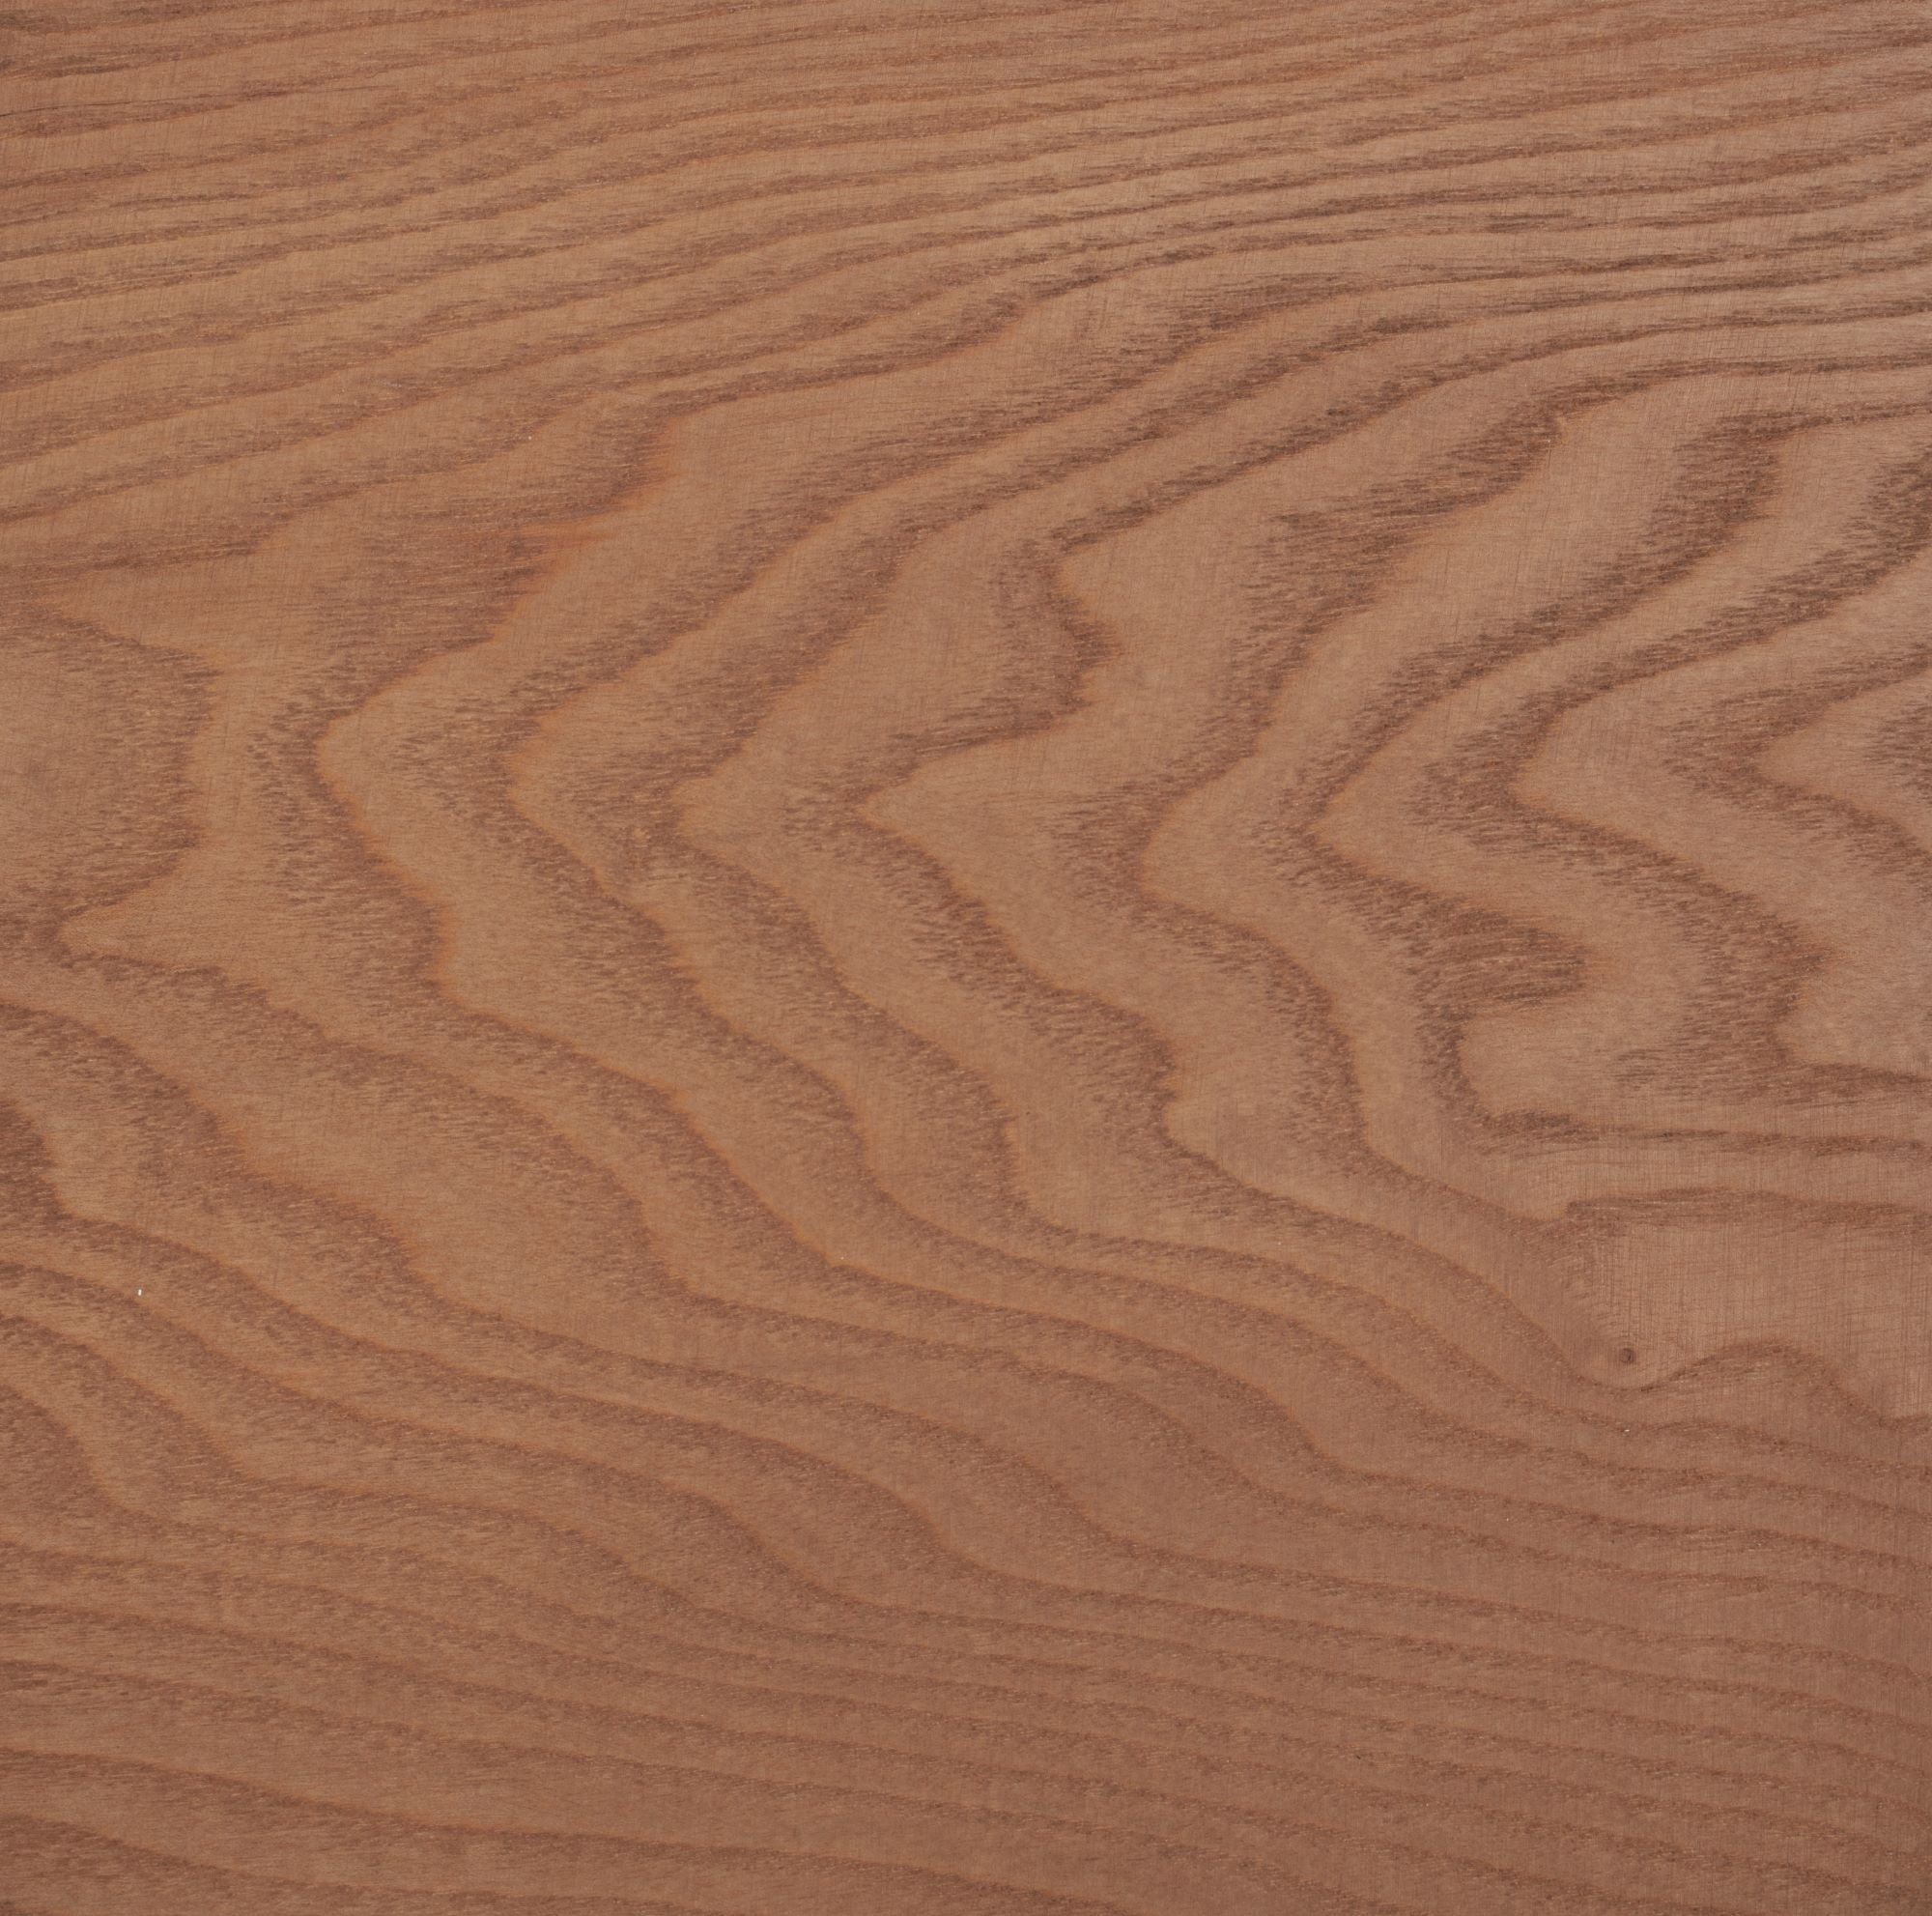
(965,959)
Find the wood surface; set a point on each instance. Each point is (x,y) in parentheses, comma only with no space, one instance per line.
(965,959)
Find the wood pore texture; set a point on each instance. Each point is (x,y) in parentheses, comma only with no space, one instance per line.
(966,958)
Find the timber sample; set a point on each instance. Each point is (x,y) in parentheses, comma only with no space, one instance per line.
(965,959)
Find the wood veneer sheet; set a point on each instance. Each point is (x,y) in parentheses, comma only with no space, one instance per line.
(965,959)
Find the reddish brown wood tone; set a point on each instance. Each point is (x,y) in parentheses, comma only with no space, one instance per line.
(965,959)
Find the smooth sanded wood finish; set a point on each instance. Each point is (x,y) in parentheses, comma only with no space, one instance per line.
(966,959)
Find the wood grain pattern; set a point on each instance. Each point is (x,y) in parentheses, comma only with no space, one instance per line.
(965,959)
